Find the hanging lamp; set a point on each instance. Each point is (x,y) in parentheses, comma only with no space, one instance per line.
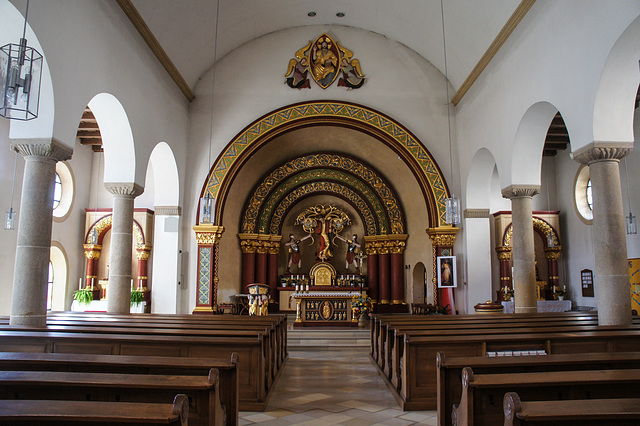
(20,75)
(452,204)
(207,205)
(631,223)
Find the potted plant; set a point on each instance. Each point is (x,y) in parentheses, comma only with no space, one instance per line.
(362,306)
(136,297)
(560,292)
(84,296)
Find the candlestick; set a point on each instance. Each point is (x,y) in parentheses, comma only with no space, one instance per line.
(80,284)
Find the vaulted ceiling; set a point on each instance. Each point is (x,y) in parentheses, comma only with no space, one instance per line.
(186,30)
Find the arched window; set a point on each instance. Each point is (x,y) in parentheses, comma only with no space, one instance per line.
(582,195)
(50,287)
(589,195)
(57,192)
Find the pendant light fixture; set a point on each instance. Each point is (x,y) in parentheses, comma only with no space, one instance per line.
(20,75)
(452,204)
(632,225)
(10,216)
(207,213)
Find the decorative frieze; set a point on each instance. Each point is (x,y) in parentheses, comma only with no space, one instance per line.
(476,213)
(168,210)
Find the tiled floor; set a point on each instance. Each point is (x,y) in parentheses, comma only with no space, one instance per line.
(339,387)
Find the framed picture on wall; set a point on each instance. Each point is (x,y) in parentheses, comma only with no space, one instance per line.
(447,271)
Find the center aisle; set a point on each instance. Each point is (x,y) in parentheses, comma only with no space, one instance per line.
(333,387)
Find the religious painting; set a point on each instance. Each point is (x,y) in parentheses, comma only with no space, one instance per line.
(324,59)
(446,271)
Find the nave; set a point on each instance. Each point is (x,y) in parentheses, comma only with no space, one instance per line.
(333,387)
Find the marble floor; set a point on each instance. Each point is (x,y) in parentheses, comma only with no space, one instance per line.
(333,387)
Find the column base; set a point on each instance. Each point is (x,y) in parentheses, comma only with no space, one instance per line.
(204,310)
(31,320)
(525,310)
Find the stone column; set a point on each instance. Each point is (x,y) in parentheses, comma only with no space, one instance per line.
(31,271)
(524,271)
(119,297)
(397,245)
(372,268)
(610,244)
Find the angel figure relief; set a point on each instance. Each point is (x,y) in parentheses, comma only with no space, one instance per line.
(325,60)
(326,222)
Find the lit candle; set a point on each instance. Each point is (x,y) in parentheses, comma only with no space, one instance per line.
(80,284)
(92,282)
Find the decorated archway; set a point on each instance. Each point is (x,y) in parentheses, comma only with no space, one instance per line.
(343,176)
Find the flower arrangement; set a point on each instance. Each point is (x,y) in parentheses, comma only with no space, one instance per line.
(136,297)
(83,296)
(561,291)
(361,305)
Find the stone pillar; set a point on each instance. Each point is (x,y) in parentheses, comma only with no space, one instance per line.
(143,253)
(272,267)
(120,259)
(92,253)
(31,271)
(372,269)
(384,284)
(248,245)
(397,246)
(610,244)
(524,271)
(504,256)
(208,239)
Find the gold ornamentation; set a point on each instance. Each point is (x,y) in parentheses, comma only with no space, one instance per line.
(100,227)
(208,235)
(538,224)
(504,253)
(553,253)
(324,59)
(443,236)
(92,251)
(419,159)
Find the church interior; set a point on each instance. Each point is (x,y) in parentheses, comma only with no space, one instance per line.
(315,164)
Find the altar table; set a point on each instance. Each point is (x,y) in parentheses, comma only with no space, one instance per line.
(325,309)
(543,306)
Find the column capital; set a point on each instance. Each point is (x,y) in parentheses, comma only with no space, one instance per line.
(443,236)
(553,253)
(48,148)
(504,252)
(208,235)
(124,188)
(516,191)
(602,151)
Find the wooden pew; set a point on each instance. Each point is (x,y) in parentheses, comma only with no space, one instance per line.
(416,389)
(92,413)
(483,394)
(585,412)
(202,391)
(381,323)
(253,391)
(123,364)
(450,370)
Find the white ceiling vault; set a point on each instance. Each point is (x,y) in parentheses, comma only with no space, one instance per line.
(186,29)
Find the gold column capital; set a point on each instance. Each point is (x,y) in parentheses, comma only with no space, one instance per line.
(504,252)
(553,253)
(443,236)
(208,234)
(92,251)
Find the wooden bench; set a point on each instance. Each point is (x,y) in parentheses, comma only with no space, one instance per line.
(90,413)
(253,391)
(202,391)
(227,369)
(416,388)
(483,394)
(623,411)
(450,370)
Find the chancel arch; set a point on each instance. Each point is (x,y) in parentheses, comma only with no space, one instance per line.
(337,151)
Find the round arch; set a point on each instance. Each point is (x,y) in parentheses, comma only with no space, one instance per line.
(381,127)
(614,104)
(117,138)
(541,227)
(162,163)
(478,186)
(529,144)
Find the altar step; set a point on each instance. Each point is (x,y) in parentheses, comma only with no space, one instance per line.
(325,338)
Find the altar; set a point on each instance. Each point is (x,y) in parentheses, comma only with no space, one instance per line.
(324,309)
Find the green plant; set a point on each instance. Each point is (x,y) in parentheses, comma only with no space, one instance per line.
(136,297)
(443,310)
(561,291)
(83,296)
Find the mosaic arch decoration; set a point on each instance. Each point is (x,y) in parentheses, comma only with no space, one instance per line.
(538,224)
(333,167)
(101,226)
(382,127)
